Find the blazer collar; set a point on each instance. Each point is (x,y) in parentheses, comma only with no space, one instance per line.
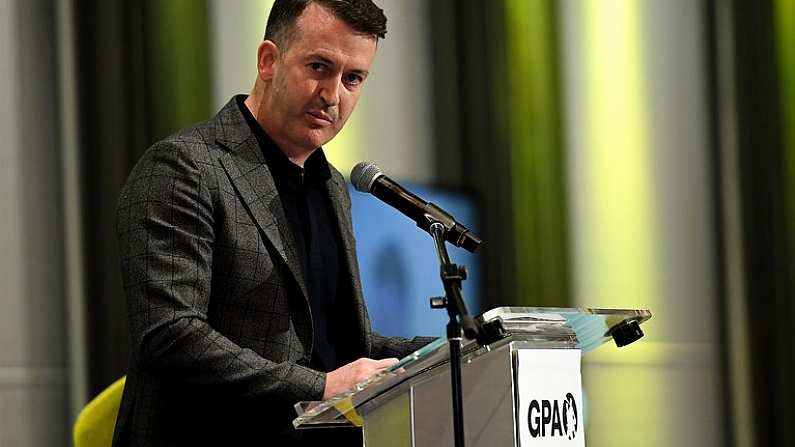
(249,174)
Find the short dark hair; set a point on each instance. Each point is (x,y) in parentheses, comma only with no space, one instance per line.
(363,16)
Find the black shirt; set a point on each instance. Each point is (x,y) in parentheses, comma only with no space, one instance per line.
(308,208)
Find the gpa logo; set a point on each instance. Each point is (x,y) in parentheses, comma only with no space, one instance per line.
(551,418)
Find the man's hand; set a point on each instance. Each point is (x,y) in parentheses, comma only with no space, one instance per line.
(349,375)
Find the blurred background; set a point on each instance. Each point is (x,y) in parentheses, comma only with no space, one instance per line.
(611,153)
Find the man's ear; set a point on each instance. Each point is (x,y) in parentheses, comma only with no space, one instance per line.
(267,58)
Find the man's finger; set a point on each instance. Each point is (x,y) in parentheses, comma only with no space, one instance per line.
(385,363)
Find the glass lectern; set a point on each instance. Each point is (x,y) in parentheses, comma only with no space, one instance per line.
(523,389)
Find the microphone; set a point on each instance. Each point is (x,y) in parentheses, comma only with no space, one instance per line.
(367,177)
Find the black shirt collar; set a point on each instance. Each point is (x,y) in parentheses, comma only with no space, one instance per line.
(315,171)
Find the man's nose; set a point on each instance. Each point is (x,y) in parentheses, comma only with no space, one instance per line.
(330,91)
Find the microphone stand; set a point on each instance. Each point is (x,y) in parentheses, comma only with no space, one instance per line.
(452,275)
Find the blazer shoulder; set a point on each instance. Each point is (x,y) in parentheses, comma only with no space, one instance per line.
(191,153)
(200,138)
(175,155)
(196,145)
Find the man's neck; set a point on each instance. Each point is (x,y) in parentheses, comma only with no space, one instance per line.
(296,155)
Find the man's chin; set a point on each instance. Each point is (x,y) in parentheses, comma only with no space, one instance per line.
(320,137)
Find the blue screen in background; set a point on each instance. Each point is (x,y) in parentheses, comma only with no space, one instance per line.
(399,267)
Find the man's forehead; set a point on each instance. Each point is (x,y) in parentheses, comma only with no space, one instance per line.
(318,33)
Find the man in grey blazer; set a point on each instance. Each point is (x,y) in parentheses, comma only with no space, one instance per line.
(238,257)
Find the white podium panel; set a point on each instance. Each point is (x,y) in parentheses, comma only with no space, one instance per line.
(549,398)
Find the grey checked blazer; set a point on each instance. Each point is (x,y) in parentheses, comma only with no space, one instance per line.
(217,302)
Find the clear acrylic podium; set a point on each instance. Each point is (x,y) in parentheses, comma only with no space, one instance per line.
(409,404)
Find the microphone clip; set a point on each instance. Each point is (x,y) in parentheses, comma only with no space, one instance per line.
(452,275)
(454,232)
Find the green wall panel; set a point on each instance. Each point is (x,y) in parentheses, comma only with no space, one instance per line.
(533,134)
(178,65)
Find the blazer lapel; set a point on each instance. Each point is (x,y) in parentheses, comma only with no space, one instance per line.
(246,168)
(338,195)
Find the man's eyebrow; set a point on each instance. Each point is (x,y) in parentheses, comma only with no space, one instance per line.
(331,63)
(322,58)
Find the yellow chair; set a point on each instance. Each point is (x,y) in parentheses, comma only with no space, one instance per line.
(94,425)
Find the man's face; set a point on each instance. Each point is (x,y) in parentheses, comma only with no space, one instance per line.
(316,82)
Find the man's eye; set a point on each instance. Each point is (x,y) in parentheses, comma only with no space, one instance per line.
(353,79)
(317,66)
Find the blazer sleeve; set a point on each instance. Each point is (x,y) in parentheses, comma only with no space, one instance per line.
(397,347)
(165,225)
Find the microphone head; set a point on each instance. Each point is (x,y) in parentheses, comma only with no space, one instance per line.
(363,175)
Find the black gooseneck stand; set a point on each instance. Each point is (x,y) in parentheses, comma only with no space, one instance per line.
(452,275)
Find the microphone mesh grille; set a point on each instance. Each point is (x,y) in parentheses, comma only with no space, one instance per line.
(363,175)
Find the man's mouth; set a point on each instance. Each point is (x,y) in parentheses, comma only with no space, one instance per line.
(321,116)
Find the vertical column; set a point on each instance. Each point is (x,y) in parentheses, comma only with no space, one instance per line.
(33,376)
